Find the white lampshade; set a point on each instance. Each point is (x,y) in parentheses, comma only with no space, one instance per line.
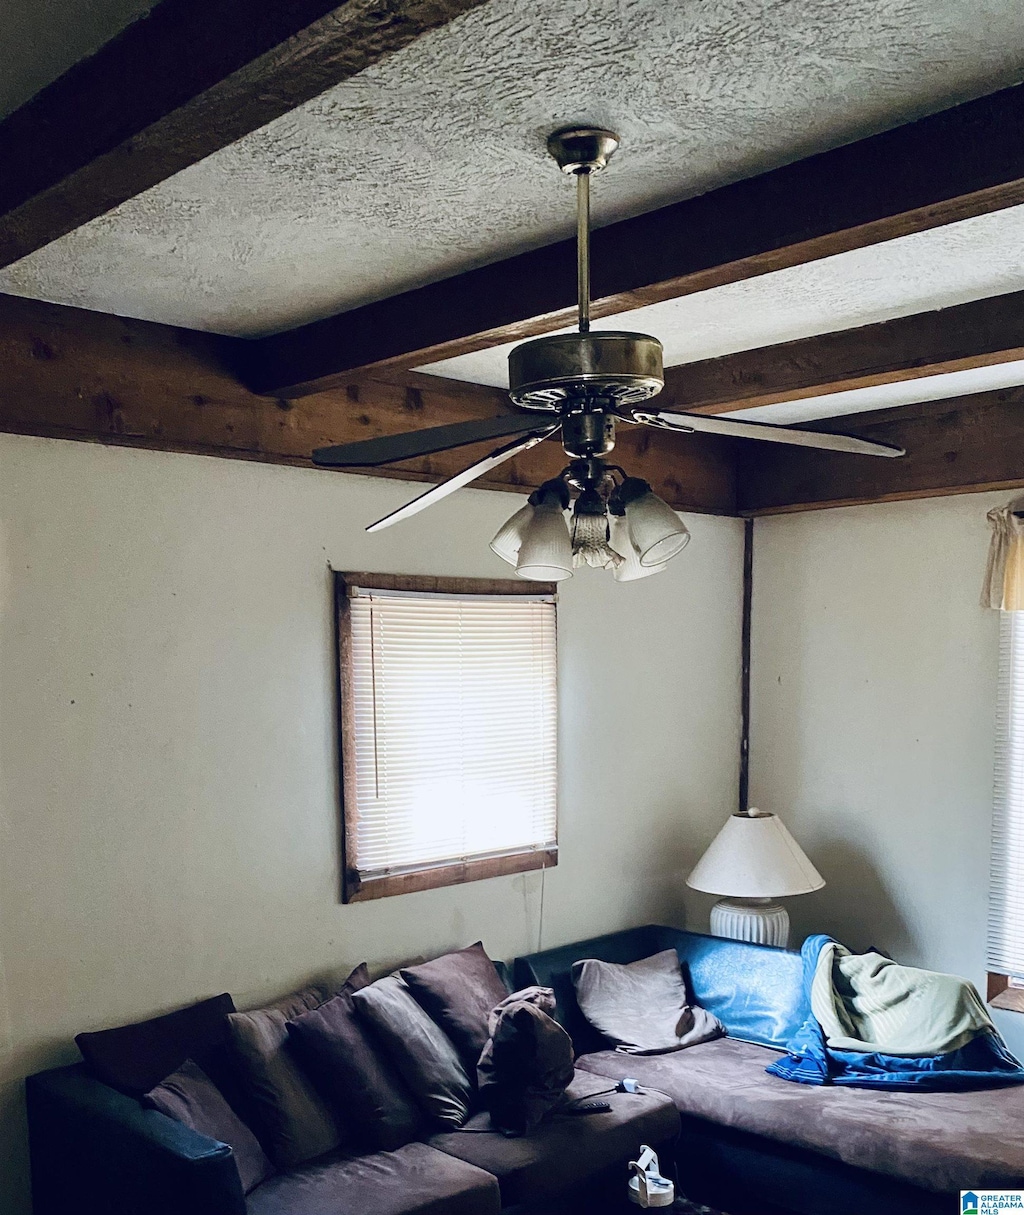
(545,554)
(656,529)
(509,538)
(755,857)
(622,542)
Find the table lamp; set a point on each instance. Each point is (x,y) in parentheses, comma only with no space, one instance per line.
(752,861)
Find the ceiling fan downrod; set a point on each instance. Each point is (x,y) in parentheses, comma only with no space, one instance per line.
(565,372)
(582,151)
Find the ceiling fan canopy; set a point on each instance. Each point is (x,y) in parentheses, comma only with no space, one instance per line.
(580,385)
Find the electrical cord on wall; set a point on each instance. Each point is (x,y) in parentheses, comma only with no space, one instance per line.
(540,918)
(540,912)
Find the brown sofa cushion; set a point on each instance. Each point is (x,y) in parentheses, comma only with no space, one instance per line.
(459,990)
(293,1121)
(566,1150)
(415,1180)
(135,1058)
(941,1141)
(190,1096)
(419,1049)
(526,1065)
(334,1047)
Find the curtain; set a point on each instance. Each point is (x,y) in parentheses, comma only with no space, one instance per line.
(1004,574)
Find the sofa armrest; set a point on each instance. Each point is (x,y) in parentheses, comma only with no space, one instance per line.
(92,1148)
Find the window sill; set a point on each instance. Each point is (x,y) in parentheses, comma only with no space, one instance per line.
(1002,995)
(357,889)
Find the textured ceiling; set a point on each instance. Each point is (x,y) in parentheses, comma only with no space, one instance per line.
(432,161)
(970,260)
(888,396)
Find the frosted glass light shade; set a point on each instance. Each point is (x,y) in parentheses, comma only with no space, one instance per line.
(755,857)
(656,529)
(509,538)
(590,534)
(621,541)
(545,554)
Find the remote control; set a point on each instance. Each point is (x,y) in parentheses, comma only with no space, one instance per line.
(590,1107)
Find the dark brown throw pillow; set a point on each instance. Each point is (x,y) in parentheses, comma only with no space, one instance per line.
(190,1096)
(135,1058)
(419,1049)
(336,1049)
(527,1063)
(293,1121)
(458,991)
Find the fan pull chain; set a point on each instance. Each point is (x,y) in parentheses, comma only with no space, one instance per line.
(583,247)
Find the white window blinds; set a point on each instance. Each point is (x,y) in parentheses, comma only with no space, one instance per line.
(1006,900)
(453,704)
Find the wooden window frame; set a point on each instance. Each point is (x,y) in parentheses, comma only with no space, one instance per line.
(1002,995)
(355,889)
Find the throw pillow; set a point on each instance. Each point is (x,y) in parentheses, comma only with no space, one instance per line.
(527,1063)
(135,1058)
(336,1049)
(642,1006)
(458,991)
(419,1049)
(190,1096)
(294,1122)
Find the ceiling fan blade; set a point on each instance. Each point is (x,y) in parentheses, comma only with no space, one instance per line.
(387,448)
(437,492)
(715,424)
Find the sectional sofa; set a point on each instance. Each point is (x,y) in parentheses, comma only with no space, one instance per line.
(741,1140)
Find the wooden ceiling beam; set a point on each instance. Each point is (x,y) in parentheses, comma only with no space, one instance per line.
(182,82)
(959,163)
(71,374)
(959,446)
(983,333)
(68,373)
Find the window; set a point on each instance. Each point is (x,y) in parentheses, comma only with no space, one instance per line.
(448,730)
(1006,899)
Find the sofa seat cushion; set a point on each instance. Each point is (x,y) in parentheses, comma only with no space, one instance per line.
(940,1141)
(414,1180)
(566,1148)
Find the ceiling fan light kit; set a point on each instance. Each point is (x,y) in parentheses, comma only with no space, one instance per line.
(545,552)
(620,539)
(579,385)
(655,529)
(509,538)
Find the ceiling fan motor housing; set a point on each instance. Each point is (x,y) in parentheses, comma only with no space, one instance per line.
(549,371)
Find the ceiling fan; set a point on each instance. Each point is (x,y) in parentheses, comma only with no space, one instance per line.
(579,385)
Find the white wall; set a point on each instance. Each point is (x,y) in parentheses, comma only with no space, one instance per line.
(874,698)
(168,819)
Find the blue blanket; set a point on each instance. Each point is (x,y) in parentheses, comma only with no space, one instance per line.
(983,1062)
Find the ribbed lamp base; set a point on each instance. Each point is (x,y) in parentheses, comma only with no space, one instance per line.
(757,920)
